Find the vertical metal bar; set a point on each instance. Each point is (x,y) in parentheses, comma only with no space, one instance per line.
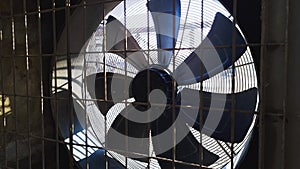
(261,148)
(55,86)
(105,85)
(16,121)
(201,108)
(2,87)
(14,81)
(69,74)
(233,84)
(125,52)
(85,89)
(292,152)
(41,80)
(27,86)
(174,85)
(273,78)
(148,61)
(3,134)
(148,81)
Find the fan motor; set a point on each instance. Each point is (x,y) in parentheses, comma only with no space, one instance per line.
(150,79)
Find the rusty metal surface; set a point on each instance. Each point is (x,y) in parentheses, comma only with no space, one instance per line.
(279,112)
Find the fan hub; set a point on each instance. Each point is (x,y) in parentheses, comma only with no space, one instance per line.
(150,79)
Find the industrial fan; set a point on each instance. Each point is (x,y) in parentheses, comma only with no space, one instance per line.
(155,87)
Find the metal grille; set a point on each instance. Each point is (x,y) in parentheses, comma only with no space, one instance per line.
(49,118)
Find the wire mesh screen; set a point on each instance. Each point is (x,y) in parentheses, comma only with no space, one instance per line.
(127,84)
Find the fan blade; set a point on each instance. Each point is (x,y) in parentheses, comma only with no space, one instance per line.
(96,87)
(188,150)
(61,114)
(166,17)
(134,129)
(98,161)
(116,42)
(219,106)
(214,54)
(123,129)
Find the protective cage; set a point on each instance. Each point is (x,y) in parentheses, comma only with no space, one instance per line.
(129,84)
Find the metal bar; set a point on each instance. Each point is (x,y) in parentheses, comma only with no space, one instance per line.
(27,87)
(125,51)
(3,144)
(69,74)
(84,91)
(234,47)
(57,158)
(174,88)
(201,109)
(148,61)
(292,138)
(105,86)
(14,81)
(273,78)
(39,25)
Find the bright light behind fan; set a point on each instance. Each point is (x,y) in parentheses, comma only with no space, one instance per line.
(138,21)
